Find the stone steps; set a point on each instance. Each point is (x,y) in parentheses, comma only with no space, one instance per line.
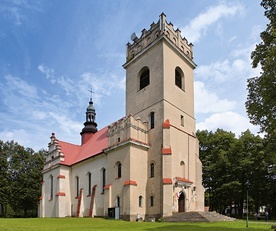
(197,217)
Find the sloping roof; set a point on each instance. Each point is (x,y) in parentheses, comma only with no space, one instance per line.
(76,153)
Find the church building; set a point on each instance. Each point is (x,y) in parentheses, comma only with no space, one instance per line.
(145,165)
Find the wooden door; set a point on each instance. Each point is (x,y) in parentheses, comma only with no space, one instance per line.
(181,203)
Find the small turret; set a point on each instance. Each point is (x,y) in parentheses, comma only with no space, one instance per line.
(90,126)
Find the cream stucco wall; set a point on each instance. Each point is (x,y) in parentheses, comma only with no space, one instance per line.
(94,166)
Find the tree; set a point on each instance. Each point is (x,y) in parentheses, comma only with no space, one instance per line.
(228,164)
(261,99)
(216,150)
(4,182)
(20,184)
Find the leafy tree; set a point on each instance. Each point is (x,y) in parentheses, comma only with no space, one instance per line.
(20,169)
(218,179)
(253,167)
(229,164)
(4,182)
(261,100)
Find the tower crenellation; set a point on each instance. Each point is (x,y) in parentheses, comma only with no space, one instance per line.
(149,37)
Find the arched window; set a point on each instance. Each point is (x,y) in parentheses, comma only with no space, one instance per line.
(119,169)
(117,201)
(144,78)
(140,201)
(152,169)
(151,120)
(77,186)
(89,183)
(179,78)
(103,178)
(51,187)
(182,168)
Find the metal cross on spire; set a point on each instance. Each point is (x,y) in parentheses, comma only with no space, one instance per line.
(91,93)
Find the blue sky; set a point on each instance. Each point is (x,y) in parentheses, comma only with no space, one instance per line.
(52,52)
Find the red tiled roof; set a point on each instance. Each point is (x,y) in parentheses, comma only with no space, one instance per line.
(76,153)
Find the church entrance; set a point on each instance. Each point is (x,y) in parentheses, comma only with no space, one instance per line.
(181,203)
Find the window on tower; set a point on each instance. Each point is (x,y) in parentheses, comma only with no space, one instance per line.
(151,201)
(179,78)
(144,78)
(151,170)
(182,120)
(119,169)
(151,120)
(140,201)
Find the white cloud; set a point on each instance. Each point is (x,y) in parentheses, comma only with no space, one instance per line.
(229,121)
(206,102)
(65,123)
(21,136)
(16,11)
(65,82)
(101,85)
(237,66)
(49,73)
(199,25)
(20,86)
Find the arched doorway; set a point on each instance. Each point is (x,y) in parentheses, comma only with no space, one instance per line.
(181,203)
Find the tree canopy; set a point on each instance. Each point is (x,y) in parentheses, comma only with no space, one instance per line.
(231,166)
(20,184)
(261,99)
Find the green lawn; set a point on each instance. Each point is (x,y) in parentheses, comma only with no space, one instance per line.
(68,224)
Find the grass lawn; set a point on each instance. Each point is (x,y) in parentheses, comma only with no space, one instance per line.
(68,224)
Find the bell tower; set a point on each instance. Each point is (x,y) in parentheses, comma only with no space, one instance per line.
(160,90)
(90,126)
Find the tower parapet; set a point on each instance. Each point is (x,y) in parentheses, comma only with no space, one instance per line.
(158,30)
(127,129)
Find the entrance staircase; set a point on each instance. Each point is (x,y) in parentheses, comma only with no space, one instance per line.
(197,217)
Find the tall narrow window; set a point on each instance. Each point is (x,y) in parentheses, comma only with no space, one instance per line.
(151,120)
(151,170)
(182,120)
(144,79)
(103,178)
(77,186)
(179,78)
(151,201)
(51,187)
(119,168)
(89,184)
(117,201)
(182,168)
(140,201)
